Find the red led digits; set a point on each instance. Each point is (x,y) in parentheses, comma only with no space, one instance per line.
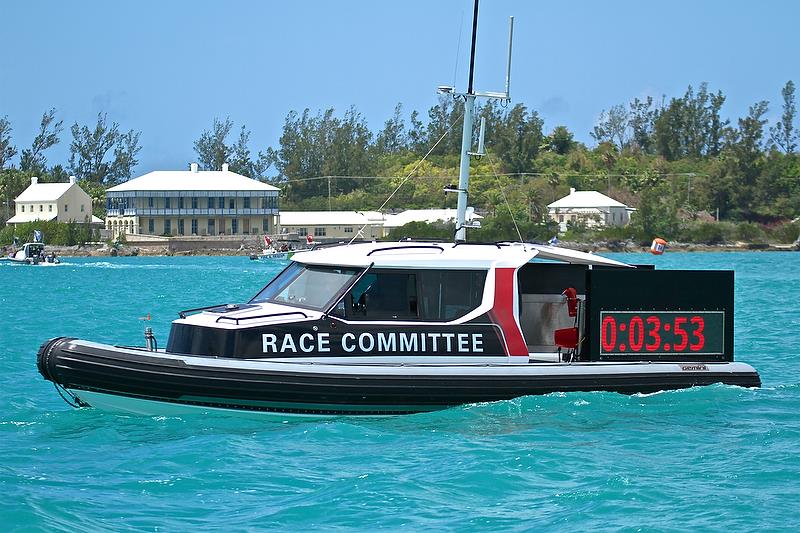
(608,340)
(700,325)
(625,331)
(655,324)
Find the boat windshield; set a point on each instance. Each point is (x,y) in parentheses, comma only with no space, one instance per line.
(307,286)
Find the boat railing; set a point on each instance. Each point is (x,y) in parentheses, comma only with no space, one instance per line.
(407,247)
(237,320)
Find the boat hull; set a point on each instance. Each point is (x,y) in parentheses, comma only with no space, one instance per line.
(112,377)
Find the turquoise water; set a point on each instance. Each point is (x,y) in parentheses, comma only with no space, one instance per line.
(715,458)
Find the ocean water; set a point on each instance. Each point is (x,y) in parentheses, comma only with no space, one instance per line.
(715,458)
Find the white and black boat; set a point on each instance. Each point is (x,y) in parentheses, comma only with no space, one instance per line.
(406,327)
(32,253)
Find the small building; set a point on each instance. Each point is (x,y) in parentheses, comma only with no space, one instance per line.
(591,208)
(429,216)
(60,202)
(330,225)
(338,225)
(192,202)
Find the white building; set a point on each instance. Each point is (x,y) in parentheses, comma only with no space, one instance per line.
(346,224)
(594,209)
(192,202)
(61,202)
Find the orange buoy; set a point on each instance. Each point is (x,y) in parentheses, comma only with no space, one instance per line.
(658,246)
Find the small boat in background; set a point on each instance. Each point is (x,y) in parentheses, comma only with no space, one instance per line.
(283,252)
(32,253)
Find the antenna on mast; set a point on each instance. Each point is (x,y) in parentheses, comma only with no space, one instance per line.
(466,135)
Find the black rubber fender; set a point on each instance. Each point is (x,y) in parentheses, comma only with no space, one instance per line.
(44,359)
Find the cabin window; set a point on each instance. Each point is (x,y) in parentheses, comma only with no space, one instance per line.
(447,295)
(307,286)
(382,295)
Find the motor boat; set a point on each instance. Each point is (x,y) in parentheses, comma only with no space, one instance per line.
(32,253)
(390,328)
(385,328)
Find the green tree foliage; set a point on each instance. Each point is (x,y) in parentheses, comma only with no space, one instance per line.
(612,126)
(33,159)
(7,150)
(103,155)
(782,134)
(560,141)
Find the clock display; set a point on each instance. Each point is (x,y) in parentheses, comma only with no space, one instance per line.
(662,332)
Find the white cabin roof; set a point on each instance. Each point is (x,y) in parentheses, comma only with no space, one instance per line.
(410,254)
(187,180)
(584,200)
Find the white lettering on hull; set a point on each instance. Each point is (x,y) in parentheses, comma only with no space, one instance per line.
(414,342)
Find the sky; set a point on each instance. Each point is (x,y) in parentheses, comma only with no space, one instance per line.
(168,68)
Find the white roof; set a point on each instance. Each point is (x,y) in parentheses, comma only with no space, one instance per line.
(30,217)
(426,215)
(410,254)
(330,218)
(186,180)
(586,199)
(43,192)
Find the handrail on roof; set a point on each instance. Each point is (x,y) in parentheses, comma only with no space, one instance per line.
(406,247)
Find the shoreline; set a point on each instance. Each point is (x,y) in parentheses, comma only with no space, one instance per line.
(104,250)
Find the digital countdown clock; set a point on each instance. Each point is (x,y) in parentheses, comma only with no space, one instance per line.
(662,332)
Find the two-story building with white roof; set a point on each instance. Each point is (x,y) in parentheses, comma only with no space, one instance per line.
(61,202)
(192,202)
(591,208)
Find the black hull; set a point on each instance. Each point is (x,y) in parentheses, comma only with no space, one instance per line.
(356,389)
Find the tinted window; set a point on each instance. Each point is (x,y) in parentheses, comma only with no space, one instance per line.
(307,286)
(382,296)
(447,295)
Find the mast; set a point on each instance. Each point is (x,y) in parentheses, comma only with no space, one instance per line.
(466,133)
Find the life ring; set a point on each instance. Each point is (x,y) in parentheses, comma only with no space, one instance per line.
(658,246)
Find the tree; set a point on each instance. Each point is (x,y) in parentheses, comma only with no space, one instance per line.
(211,148)
(560,140)
(32,159)
(393,139)
(782,133)
(640,120)
(7,150)
(516,140)
(612,126)
(89,150)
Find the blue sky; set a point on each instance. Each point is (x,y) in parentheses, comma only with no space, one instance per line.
(167,68)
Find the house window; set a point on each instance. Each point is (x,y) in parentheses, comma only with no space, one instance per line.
(66,208)
(210,203)
(232,203)
(167,226)
(81,208)
(221,202)
(22,209)
(319,232)
(194,226)
(265,225)
(211,226)
(561,218)
(194,203)
(348,229)
(180,204)
(264,203)
(234,226)
(302,231)
(151,226)
(181,228)
(50,207)
(167,202)
(247,202)
(150,201)
(41,208)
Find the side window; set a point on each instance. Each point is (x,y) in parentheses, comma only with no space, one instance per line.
(447,295)
(382,296)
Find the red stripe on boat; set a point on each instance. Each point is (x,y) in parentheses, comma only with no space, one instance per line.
(502,312)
